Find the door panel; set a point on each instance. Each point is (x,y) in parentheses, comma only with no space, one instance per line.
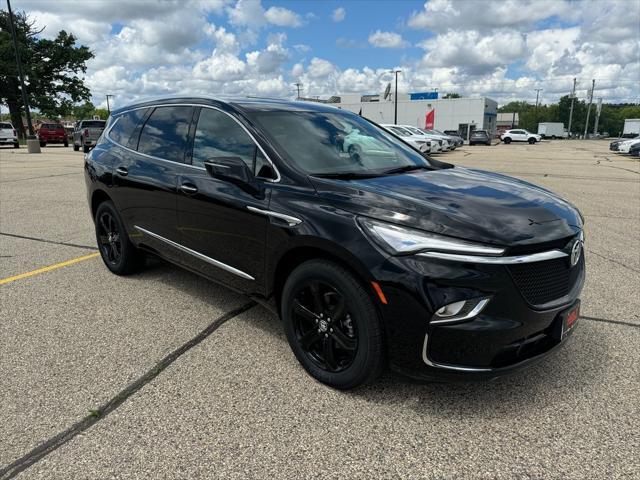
(214,221)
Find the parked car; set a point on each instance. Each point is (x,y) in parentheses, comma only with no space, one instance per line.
(452,141)
(455,134)
(455,140)
(418,141)
(479,136)
(442,271)
(634,150)
(625,146)
(445,141)
(520,135)
(50,132)
(8,135)
(86,134)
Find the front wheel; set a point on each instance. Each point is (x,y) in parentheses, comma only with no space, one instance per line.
(76,148)
(66,144)
(332,325)
(506,140)
(117,252)
(532,141)
(86,149)
(16,145)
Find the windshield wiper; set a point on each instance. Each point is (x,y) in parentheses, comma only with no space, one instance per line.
(348,175)
(406,168)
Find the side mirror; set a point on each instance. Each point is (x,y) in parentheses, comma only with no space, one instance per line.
(232,169)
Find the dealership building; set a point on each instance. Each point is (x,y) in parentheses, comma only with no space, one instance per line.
(424,109)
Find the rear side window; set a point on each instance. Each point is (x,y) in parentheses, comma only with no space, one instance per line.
(218,135)
(5,125)
(165,133)
(125,126)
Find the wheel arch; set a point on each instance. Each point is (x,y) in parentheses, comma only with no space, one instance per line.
(301,253)
(99,196)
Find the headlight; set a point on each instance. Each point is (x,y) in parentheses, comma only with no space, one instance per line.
(398,240)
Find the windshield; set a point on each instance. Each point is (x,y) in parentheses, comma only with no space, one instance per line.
(414,130)
(5,125)
(335,143)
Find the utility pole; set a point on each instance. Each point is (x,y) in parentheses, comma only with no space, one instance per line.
(298,85)
(109,108)
(598,110)
(538,90)
(586,124)
(395,98)
(23,87)
(573,97)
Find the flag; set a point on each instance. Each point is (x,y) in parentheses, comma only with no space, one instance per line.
(430,119)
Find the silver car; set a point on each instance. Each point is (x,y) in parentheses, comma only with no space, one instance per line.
(86,134)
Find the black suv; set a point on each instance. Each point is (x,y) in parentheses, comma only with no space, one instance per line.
(480,136)
(370,252)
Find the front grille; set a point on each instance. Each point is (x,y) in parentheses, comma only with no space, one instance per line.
(543,282)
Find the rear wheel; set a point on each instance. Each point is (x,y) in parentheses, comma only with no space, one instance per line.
(86,149)
(66,144)
(532,141)
(16,145)
(506,140)
(117,252)
(76,147)
(332,325)
(43,144)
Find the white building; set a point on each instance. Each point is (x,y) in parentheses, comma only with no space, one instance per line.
(461,114)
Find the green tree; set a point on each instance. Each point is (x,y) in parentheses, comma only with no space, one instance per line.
(84,110)
(452,95)
(51,67)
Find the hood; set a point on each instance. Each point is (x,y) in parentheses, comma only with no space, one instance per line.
(470,204)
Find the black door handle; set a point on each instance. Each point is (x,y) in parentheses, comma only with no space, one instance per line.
(122,171)
(188,188)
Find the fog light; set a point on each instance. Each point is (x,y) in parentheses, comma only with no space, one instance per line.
(461,310)
(451,309)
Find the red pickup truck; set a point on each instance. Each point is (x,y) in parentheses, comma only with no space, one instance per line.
(52,133)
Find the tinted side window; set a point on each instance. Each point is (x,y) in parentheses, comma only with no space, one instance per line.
(218,135)
(166,132)
(125,126)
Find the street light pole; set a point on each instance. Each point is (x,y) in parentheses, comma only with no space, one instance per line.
(108,108)
(395,98)
(538,90)
(23,87)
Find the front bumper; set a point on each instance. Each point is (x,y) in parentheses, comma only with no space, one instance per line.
(511,332)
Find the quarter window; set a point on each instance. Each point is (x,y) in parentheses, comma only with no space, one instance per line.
(218,135)
(166,132)
(125,126)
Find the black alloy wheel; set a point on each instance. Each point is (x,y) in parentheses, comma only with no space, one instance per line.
(324,327)
(532,141)
(332,325)
(507,140)
(109,239)
(117,252)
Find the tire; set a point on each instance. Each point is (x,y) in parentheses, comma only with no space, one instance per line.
(16,145)
(506,140)
(531,141)
(43,144)
(86,149)
(66,144)
(488,143)
(117,252)
(76,148)
(357,327)
(553,137)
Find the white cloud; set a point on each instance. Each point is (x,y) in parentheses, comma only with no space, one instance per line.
(382,39)
(320,68)
(283,17)
(339,14)
(441,15)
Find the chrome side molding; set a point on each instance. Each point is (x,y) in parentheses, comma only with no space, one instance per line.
(530,258)
(198,255)
(291,221)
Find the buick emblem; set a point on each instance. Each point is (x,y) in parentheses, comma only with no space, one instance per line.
(576,250)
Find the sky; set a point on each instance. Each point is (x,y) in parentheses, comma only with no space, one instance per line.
(502,49)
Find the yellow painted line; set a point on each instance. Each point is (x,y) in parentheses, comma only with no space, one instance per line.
(55,266)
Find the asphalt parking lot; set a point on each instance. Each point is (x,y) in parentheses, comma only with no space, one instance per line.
(165,375)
